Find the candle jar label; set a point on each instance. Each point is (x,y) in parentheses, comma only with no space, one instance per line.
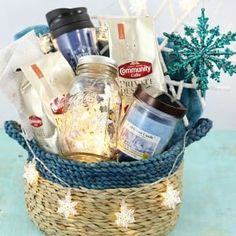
(137,143)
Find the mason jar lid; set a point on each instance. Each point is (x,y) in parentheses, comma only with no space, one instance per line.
(163,102)
(96,59)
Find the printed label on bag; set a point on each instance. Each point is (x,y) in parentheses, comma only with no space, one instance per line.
(135,69)
(37,71)
(121,31)
(136,142)
(35,121)
(57,105)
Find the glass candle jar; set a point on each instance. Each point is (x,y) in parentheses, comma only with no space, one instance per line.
(91,119)
(148,125)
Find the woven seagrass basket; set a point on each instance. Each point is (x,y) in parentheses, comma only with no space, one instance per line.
(100,187)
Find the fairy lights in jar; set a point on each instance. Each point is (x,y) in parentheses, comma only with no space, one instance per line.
(93,105)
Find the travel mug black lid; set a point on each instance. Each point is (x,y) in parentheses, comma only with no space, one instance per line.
(163,102)
(64,20)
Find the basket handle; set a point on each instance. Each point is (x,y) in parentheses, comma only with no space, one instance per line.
(14,131)
(199,131)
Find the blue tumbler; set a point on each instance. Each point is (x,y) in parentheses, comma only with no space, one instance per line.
(73,32)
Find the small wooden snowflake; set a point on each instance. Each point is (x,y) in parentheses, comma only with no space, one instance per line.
(125,216)
(171,197)
(31,174)
(66,206)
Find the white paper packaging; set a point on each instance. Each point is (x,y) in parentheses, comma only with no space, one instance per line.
(51,76)
(45,132)
(21,51)
(133,44)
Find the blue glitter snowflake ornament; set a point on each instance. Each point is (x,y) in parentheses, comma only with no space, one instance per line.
(202,53)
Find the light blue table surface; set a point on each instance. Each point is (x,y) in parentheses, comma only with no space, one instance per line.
(209,201)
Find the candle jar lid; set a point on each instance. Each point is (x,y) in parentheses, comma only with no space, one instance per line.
(164,102)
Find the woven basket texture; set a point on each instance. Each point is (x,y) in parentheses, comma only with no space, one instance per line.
(100,187)
(107,175)
(96,209)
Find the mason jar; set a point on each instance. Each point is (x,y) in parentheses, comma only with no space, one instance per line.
(92,111)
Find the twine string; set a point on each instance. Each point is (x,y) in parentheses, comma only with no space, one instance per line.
(169,174)
(41,162)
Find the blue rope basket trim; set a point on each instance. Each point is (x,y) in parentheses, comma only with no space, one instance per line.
(107,175)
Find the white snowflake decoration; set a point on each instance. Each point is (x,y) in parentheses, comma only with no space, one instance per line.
(171,197)
(31,174)
(138,7)
(187,5)
(125,216)
(66,206)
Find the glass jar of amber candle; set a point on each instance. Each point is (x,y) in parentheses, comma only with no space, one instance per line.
(92,111)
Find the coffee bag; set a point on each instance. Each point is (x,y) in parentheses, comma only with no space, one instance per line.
(133,44)
(44,131)
(51,76)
